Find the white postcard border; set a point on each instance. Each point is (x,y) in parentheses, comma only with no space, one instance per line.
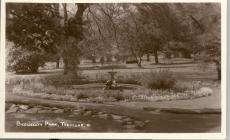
(221,135)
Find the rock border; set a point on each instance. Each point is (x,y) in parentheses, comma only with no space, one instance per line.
(184,111)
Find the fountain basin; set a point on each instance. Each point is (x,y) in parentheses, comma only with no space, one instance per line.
(102,85)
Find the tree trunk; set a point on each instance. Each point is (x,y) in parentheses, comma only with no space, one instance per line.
(70,64)
(70,55)
(109,58)
(156,57)
(66,65)
(148,57)
(93,60)
(102,60)
(168,55)
(218,68)
(65,60)
(72,67)
(219,73)
(72,36)
(139,62)
(175,54)
(58,63)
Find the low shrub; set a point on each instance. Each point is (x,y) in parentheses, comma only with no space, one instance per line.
(131,61)
(205,91)
(187,86)
(162,79)
(114,66)
(44,82)
(82,95)
(117,95)
(129,79)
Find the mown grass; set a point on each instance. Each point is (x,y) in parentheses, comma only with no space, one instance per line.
(60,80)
(58,87)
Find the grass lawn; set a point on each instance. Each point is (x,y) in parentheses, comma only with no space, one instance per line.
(49,83)
(51,88)
(183,69)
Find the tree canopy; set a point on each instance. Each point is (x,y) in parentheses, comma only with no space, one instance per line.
(76,31)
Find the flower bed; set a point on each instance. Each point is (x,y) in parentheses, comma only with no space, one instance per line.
(99,95)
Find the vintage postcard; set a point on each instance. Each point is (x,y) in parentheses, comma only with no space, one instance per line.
(113,69)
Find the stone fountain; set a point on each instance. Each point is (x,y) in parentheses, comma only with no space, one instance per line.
(111,84)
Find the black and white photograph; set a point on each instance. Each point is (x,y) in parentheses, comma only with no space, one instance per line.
(120,67)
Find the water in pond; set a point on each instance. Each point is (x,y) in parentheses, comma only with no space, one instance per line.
(157,123)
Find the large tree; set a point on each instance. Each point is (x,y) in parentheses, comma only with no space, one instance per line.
(41,27)
(73,35)
(208,36)
(75,30)
(31,27)
(103,28)
(163,26)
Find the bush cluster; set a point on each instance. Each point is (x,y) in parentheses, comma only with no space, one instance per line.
(23,61)
(162,79)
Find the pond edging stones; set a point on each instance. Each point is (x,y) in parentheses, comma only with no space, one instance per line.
(185,111)
(126,121)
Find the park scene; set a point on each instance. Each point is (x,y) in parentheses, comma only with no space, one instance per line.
(113,67)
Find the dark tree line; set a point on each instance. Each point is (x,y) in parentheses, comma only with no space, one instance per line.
(75,31)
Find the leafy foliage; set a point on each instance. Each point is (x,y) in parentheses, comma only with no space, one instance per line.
(32,28)
(24,61)
(96,30)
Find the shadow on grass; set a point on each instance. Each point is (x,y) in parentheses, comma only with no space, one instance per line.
(182,63)
(160,67)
